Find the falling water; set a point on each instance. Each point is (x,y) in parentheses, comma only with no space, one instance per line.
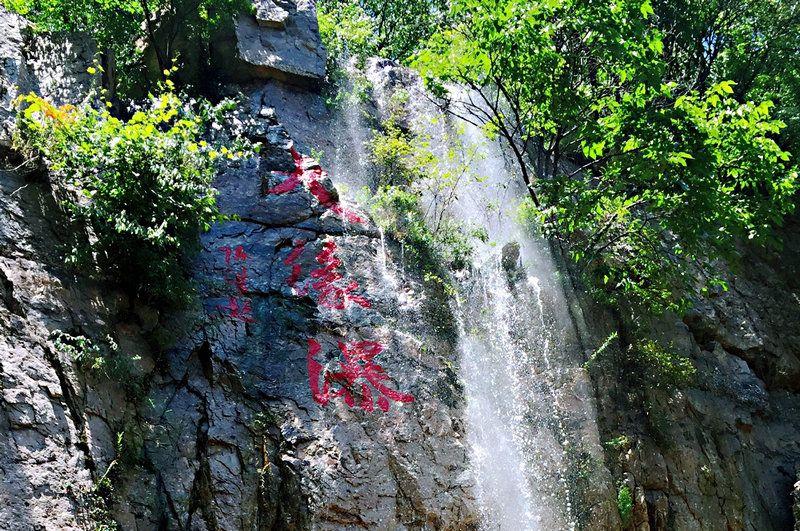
(526,410)
(510,363)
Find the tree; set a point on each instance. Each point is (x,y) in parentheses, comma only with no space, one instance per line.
(754,43)
(120,27)
(647,180)
(396,27)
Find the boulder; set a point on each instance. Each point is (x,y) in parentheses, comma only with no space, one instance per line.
(280,41)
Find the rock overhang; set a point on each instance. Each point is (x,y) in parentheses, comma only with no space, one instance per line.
(279,40)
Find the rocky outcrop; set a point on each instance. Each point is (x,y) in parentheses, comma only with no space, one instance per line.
(241,412)
(724,452)
(279,41)
(54,67)
(223,416)
(224,432)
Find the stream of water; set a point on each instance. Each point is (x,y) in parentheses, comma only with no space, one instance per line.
(518,358)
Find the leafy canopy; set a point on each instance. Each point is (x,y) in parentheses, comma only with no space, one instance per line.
(389,28)
(647,179)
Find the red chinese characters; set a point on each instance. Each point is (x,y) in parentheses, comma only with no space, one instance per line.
(354,379)
(237,308)
(357,375)
(291,261)
(332,289)
(312,178)
(332,292)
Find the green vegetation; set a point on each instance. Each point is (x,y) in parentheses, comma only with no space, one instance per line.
(406,170)
(751,42)
(131,33)
(346,31)
(138,190)
(642,365)
(103,359)
(348,34)
(646,175)
(625,504)
(98,500)
(387,28)
(619,443)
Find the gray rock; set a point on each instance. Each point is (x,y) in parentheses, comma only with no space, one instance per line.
(52,66)
(722,453)
(270,14)
(280,42)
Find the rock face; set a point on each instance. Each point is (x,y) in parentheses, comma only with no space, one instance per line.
(723,453)
(280,41)
(240,412)
(245,419)
(54,67)
(229,433)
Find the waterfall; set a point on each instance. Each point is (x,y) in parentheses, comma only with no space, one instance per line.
(515,359)
(528,411)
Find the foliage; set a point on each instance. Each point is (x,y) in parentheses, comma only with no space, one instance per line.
(119,26)
(751,42)
(413,187)
(390,28)
(619,443)
(98,500)
(140,188)
(101,358)
(647,180)
(346,31)
(348,34)
(625,504)
(643,365)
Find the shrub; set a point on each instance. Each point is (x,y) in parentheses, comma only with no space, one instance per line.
(102,358)
(408,172)
(643,365)
(625,504)
(140,188)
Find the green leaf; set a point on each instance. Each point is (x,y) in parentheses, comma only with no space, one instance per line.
(647,9)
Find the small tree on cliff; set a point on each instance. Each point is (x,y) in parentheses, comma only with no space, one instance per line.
(137,191)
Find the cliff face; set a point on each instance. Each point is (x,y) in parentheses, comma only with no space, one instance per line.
(232,425)
(225,420)
(725,452)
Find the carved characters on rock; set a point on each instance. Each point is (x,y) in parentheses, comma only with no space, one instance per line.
(238,308)
(312,176)
(355,376)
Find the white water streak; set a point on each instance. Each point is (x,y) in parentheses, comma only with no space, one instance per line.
(511,330)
